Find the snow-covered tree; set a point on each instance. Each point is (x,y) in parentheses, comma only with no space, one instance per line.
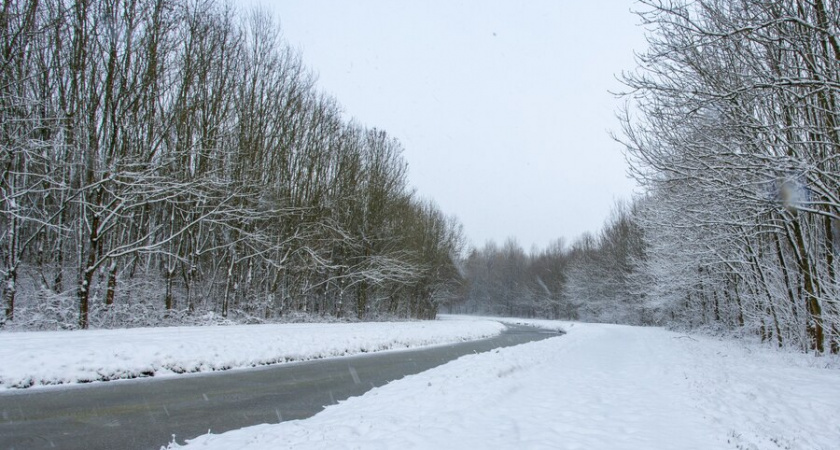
(164,159)
(731,126)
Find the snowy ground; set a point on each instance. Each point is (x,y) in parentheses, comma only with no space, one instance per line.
(597,387)
(30,359)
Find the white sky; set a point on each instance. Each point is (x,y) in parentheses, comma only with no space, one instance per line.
(502,106)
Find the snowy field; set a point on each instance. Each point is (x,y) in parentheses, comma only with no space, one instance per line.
(597,387)
(32,359)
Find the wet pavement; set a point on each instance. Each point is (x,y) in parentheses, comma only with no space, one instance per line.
(146,414)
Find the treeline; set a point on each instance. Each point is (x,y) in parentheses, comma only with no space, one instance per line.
(166,159)
(508,282)
(589,280)
(733,131)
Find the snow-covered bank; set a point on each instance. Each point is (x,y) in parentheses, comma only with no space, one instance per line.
(59,357)
(597,387)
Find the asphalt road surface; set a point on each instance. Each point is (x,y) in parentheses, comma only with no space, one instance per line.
(146,414)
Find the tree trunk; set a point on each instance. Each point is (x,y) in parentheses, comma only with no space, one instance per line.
(362,299)
(112,284)
(83,296)
(228,287)
(814,325)
(9,291)
(167,300)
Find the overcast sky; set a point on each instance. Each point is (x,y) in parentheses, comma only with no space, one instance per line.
(503,107)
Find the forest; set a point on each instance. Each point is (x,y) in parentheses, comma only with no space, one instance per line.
(172,161)
(732,130)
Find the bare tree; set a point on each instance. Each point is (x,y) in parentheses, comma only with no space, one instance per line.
(734,133)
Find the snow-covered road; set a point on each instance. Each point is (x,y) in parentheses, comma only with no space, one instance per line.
(147,414)
(598,387)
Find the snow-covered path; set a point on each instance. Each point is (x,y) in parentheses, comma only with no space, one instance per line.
(598,387)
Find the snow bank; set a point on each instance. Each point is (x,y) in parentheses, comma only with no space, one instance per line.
(58,357)
(597,387)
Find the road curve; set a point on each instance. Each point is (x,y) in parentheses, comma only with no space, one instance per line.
(146,414)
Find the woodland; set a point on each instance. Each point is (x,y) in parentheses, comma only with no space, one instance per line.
(172,161)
